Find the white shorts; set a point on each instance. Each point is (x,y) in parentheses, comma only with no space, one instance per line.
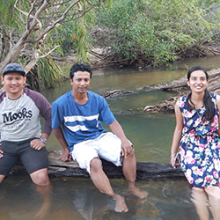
(107,146)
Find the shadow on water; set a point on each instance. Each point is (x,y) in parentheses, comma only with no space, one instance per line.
(151,134)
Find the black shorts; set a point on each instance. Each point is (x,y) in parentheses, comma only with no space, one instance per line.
(32,159)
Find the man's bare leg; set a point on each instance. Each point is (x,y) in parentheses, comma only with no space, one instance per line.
(44,187)
(129,171)
(102,183)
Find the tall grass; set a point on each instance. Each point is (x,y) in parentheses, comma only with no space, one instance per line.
(49,73)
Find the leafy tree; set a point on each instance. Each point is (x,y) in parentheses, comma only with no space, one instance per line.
(156,31)
(35,21)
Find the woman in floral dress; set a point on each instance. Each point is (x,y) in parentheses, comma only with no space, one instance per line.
(196,136)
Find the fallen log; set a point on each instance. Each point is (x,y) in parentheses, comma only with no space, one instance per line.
(115,93)
(145,170)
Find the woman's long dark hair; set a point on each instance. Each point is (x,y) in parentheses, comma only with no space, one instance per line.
(209,105)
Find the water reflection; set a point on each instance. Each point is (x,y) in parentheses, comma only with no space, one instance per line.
(205,203)
(21,199)
(75,198)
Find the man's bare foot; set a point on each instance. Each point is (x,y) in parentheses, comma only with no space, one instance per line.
(120,204)
(137,192)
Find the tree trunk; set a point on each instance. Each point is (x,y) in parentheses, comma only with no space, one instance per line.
(145,170)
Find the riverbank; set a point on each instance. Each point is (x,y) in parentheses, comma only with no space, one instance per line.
(105,57)
(99,59)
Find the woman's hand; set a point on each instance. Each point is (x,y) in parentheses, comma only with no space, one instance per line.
(174,160)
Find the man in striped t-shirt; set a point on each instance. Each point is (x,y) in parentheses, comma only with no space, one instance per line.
(76,120)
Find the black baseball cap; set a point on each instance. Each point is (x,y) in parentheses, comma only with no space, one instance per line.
(14,68)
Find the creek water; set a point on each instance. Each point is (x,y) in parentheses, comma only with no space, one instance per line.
(151,135)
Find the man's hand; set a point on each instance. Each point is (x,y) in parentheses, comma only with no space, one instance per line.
(126,148)
(37,144)
(65,156)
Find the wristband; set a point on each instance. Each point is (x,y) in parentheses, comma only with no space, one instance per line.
(44,140)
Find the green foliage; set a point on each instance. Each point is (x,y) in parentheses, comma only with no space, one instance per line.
(74,35)
(140,29)
(81,36)
(10,16)
(13,23)
(8,13)
(48,73)
(158,29)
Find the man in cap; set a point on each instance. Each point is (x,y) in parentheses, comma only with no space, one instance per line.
(20,128)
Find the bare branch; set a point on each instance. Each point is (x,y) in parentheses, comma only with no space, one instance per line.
(32,63)
(28,17)
(21,17)
(49,52)
(81,13)
(89,2)
(61,3)
(36,57)
(54,23)
(43,7)
(34,20)
(42,17)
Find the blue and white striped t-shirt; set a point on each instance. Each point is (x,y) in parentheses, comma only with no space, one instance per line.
(81,122)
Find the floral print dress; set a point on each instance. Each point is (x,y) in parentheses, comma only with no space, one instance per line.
(200,146)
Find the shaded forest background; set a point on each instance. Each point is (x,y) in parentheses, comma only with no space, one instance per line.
(121,33)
